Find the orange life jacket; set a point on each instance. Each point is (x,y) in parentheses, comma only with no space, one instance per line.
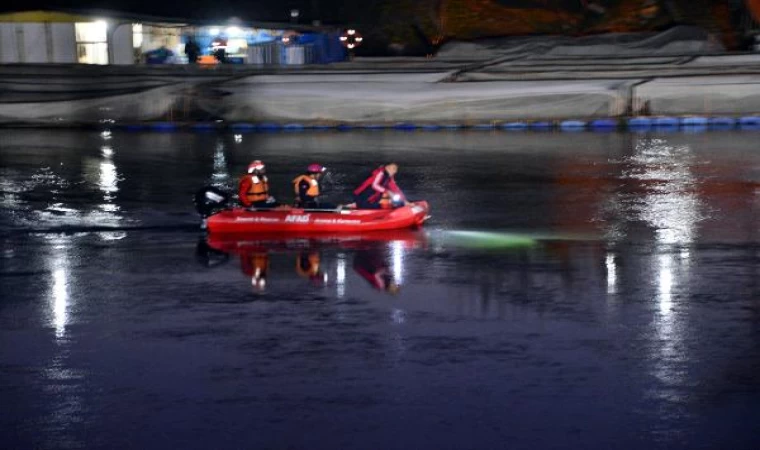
(253,188)
(313,190)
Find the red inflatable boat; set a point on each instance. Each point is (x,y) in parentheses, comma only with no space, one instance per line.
(240,220)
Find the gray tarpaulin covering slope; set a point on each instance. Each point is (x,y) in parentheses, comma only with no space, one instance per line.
(416,98)
(546,77)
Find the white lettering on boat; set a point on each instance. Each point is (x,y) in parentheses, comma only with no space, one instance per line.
(300,218)
(338,221)
(258,219)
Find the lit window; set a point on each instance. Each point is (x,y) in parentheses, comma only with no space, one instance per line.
(92,42)
(137,35)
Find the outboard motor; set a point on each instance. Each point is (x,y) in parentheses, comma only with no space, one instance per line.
(210,200)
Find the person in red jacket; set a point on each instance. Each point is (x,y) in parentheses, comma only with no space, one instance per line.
(253,189)
(380,190)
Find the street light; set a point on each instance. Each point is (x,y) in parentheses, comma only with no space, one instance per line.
(351,39)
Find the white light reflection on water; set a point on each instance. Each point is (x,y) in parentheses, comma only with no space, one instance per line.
(221,175)
(665,287)
(60,302)
(108,184)
(611,273)
(397,254)
(340,276)
(63,383)
(59,289)
(673,209)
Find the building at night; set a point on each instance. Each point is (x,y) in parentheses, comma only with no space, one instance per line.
(39,37)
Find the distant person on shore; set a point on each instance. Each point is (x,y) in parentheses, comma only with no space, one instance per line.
(219,49)
(379,190)
(253,189)
(192,50)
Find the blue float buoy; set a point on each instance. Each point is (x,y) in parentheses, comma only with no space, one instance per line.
(269,126)
(164,126)
(639,122)
(374,126)
(722,123)
(242,126)
(431,127)
(694,121)
(405,126)
(345,127)
(665,122)
(541,125)
(749,121)
(572,125)
(293,127)
(604,124)
(514,126)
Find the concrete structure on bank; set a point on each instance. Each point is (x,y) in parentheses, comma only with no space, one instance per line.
(35,37)
(675,73)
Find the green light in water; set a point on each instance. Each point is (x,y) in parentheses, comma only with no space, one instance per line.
(487,239)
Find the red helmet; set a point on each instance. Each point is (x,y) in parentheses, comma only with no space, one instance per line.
(315,168)
(256,166)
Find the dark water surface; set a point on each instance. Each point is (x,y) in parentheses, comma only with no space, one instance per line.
(571,291)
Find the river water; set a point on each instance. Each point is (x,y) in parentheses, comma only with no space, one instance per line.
(572,290)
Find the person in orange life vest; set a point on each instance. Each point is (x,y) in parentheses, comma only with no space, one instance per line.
(307,188)
(380,190)
(253,189)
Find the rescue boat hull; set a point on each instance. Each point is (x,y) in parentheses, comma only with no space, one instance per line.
(240,220)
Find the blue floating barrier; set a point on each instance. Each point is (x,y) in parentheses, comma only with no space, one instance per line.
(542,125)
(665,122)
(749,127)
(242,126)
(270,126)
(320,127)
(572,125)
(134,127)
(749,121)
(431,127)
(694,121)
(345,127)
(483,126)
(164,126)
(405,126)
(639,122)
(515,126)
(722,123)
(452,126)
(293,127)
(600,124)
(374,126)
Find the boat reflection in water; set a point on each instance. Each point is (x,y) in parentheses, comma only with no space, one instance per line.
(377,256)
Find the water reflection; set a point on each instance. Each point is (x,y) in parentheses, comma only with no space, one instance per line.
(220,176)
(378,258)
(59,290)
